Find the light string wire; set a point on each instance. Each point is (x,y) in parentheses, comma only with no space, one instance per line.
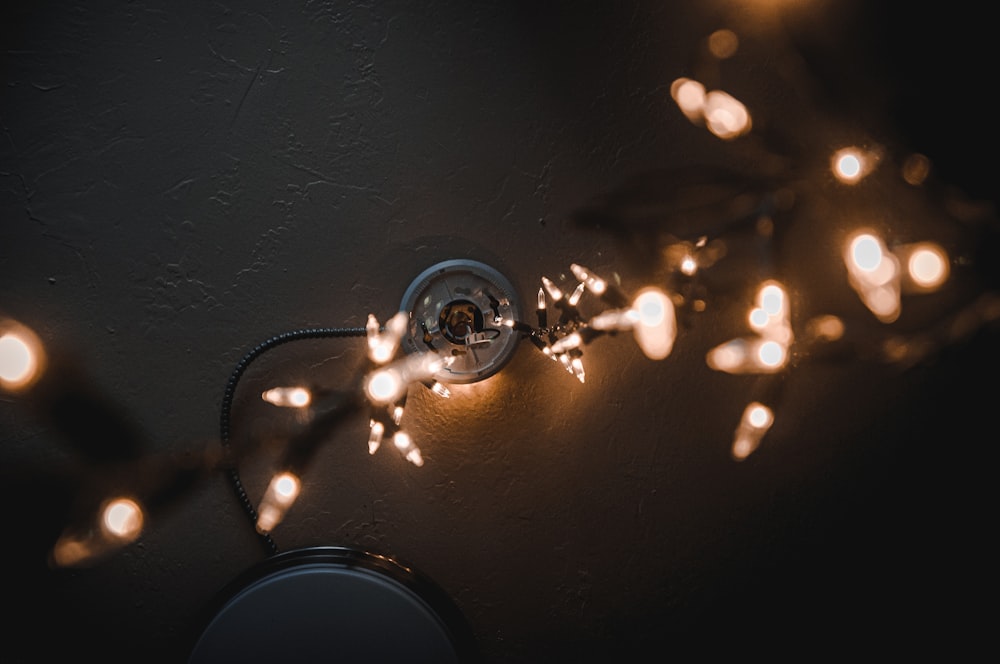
(225,416)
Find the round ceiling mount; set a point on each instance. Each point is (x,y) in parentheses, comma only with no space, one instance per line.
(458,307)
(332,603)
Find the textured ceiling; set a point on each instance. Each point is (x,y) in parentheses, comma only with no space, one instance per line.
(181,182)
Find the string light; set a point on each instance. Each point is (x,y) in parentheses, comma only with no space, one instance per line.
(879,274)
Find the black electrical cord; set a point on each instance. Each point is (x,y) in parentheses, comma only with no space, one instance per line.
(227,405)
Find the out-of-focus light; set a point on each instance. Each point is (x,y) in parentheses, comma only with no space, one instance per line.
(723,43)
(385,386)
(22,358)
(851,164)
(656,326)
(382,346)
(290,397)
(551,289)
(926,265)
(755,422)
(122,518)
(440,390)
(771,354)
(404,444)
(570,341)
(742,356)
(725,116)
(377,430)
(873,272)
(825,328)
(614,319)
(577,365)
(915,169)
(689,95)
(867,252)
(119,522)
(688,265)
(279,496)
(594,284)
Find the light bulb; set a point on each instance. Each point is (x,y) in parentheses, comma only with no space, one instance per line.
(122,518)
(290,397)
(577,293)
(279,496)
(21,356)
(552,289)
(594,284)
(755,422)
(655,326)
(725,116)
(385,385)
(377,430)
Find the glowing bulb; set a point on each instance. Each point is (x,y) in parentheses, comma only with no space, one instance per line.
(847,167)
(613,319)
(689,95)
(759,416)
(414,457)
(771,354)
(21,356)
(866,251)
(281,493)
(758,318)
(577,365)
(122,518)
(405,444)
(850,165)
(568,342)
(926,265)
(576,294)
(375,436)
(595,284)
(725,116)
(541,299)
(755,422)
(402,440)
(17,362)
(656,325)
(772,299)
(382,346)
(385,386)
(874,274)
(723,43)
(292,397)
(688,265)
(551,289)
(440,390)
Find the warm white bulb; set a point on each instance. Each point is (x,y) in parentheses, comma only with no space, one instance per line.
(866,252)
(656,325)
(771,354)
(21,356)
(280,494)
(927,266)
(375,436)
(291,397)
(402,440)
(384,386)
(17,362)
(122,518)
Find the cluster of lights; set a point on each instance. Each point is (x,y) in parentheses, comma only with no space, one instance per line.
(385,388)
(879,274)
(650,315)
